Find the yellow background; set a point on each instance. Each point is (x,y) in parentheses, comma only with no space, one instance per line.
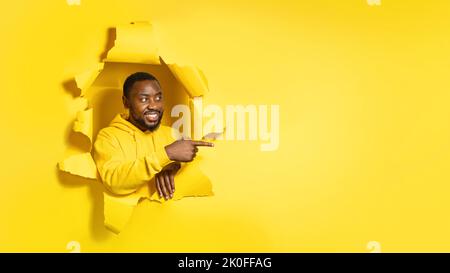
(364,149)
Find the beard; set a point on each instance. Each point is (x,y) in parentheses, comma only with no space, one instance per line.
(142,122)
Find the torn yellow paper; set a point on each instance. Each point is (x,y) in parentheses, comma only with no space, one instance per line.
(83,124)
(135,43)
(77,104)
(192,79)
(85,79)
(80,164)
(189,182)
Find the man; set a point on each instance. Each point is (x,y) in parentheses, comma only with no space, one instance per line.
(135,147)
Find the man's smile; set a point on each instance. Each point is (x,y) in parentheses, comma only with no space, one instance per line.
(152,115)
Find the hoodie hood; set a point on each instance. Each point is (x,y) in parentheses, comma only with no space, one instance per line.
(120,122)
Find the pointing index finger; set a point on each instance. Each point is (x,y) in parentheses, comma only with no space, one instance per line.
(202,143)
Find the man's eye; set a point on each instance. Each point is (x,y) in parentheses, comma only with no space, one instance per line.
(158,98)
(144,99)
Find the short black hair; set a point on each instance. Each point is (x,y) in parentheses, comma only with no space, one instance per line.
(136,77)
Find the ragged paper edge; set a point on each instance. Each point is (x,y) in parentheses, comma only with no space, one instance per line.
(192,79)
(87,78)
(135,43)
(118,211)
(83,124)
(191,179)
(79,164)
(83,164)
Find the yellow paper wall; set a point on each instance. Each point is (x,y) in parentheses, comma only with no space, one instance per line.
(364,150)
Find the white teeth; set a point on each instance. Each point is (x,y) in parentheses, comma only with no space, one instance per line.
(152,115)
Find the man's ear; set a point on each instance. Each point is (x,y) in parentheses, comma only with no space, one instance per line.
(126,103)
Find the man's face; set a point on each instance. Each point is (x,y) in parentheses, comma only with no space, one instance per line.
(145,103)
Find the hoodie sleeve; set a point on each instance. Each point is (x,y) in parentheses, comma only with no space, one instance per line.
(122,176)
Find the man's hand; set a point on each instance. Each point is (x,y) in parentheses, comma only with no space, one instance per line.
(164,180)
(185,150)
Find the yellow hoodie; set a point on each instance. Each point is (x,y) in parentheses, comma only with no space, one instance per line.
(128,159)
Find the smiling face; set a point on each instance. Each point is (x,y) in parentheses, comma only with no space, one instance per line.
(145,103)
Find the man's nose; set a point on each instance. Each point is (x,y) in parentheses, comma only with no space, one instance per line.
(153,105)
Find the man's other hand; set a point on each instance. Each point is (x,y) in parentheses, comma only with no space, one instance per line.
(165,183)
